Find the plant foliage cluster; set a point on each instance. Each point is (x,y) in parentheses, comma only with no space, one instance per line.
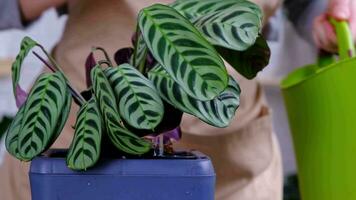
(175,65)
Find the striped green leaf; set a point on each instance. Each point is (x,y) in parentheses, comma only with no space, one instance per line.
(217,112)
(121,138)
(194,9)
(26,45)
(43,115)
(249,62)
(12,134)
(186,55)
(140,52)
(84,151)
(62,118)
(138,100)
(126,141)
(235,28)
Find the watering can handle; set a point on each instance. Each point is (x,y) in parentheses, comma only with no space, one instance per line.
(344,39)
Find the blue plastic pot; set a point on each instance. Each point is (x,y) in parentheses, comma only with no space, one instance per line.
(124,179)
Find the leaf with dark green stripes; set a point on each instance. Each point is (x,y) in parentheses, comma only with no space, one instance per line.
(248,63)
(235,28)
(26,45)
(84,151)
(217,112)
(217,19)
(42,111)
(121,138)
(194,9)
(138,100)
(126,141)
(172,118)
(12,134)
(186,55)
(139,55)
(67,98)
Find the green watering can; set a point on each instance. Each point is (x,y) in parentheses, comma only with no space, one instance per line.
(321,105)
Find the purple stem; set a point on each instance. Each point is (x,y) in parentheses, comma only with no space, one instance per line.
(105,54)
(74,93)
(44,62)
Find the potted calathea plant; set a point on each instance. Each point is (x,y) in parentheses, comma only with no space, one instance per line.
(175,66)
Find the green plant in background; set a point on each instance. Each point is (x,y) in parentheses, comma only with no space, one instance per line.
(175,66)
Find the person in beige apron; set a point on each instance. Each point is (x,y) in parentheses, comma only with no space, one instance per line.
(245,155)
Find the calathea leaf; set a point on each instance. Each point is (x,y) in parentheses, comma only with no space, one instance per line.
(26,45)
(43,115)
(172,118)
(249,62)
(140,52)
(84,151)
(121,138)
(142,58)
(236,28)
(138,100)
(217,112)
(194,9)
(187,56)
(12,134)
(215,19)
(62,119)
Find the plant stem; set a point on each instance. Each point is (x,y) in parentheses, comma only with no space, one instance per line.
(55,67)
(74,93)
(53,62)
(161,145)
(141,67)
(100,62)
(105,54)
(137,34)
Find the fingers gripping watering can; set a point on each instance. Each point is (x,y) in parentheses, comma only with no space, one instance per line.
(321,105)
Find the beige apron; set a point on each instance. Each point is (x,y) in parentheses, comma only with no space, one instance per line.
(245,155)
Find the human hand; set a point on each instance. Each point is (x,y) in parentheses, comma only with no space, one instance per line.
(323,32)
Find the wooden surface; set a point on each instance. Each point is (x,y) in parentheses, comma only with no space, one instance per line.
(5,67)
